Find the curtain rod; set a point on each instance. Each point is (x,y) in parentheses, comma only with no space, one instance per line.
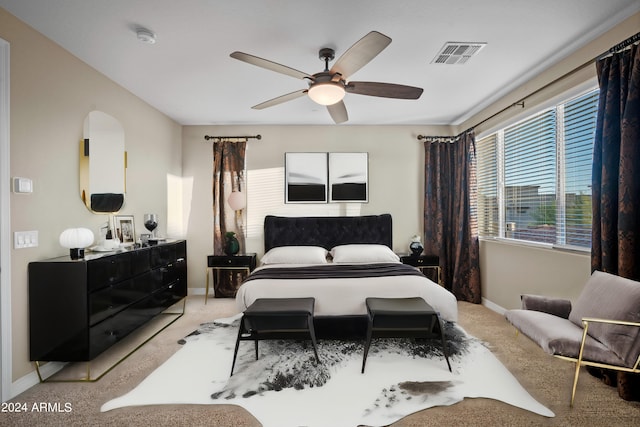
(443,138)
(620,46)
(231,138)
(520,103)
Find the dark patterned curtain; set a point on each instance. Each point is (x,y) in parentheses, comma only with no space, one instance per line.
(615,246)
(228,176)
(616,167)
(450,212)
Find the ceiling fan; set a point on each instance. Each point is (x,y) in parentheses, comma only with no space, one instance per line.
(328,87)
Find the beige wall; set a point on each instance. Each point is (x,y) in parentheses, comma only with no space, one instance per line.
(51,93)
(396,165)
(508,270)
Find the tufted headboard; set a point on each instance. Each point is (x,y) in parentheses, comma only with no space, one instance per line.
(327,231)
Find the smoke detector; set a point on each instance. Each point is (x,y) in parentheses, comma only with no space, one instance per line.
(457,52)
(145,36)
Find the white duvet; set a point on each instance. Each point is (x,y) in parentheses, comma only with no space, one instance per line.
(346,296)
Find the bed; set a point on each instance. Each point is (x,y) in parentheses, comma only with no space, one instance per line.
(339,261)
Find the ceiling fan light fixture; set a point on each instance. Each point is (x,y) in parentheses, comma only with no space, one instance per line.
(326,93)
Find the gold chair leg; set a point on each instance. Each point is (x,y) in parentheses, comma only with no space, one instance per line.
(579,363)
(575,383)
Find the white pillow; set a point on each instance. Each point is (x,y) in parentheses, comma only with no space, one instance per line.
(295,255)
(363,253)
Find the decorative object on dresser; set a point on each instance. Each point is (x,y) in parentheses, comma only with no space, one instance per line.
(429,265)
(151,223)
(80,308)
(125,229)
(235,265)
(76,239)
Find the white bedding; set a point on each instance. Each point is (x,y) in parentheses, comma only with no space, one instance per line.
(346,296)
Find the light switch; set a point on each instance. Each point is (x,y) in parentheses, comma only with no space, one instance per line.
(25,239)
(22,185)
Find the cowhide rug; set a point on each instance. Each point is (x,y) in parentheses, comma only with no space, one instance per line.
(286,387)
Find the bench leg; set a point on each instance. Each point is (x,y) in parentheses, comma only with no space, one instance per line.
(312,332)
(235,352)
(444,342)
(367,342)
(256,345)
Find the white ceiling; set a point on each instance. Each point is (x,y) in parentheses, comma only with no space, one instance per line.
(188,74)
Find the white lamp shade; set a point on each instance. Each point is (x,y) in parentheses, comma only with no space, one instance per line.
(76,238)
(326,93)
(237,200)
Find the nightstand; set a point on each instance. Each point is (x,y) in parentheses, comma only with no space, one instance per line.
(241,263)
(429,265)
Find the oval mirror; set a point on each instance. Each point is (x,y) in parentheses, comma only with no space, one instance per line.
(102,163)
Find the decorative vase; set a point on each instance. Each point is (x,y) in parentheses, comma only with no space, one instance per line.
(415,246)
(231,244)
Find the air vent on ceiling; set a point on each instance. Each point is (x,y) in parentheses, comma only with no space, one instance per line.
(457,52)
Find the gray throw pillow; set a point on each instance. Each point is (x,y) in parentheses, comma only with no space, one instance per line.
(607,296)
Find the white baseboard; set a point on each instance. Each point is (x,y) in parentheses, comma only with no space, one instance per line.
(31,379)
(196,291)
(493,306)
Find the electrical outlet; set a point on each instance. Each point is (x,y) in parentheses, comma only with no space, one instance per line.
(25,239)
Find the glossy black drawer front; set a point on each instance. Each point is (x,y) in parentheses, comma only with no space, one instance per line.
(79,308)
(420,261)
(162,255)
(113,299)
(108,270)
(105,334)
(241,261)
(140,261)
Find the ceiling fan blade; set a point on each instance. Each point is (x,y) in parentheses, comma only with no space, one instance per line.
(280,99)
(359,55)
(338,112)
(384,90)
(270,65)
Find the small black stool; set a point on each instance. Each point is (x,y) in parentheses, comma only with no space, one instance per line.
(277,318)
(403,317)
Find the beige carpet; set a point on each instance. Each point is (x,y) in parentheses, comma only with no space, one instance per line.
(546,378)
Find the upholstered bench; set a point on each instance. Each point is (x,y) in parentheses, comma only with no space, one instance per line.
(402,317)
(277,318)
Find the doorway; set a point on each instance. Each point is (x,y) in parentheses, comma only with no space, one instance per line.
(5,229)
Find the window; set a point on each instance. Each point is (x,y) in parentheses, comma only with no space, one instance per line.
(534,177)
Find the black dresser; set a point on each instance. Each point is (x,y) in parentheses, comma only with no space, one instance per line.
(80,308)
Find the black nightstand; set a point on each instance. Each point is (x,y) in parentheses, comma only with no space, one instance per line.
(429,265)
(242,263)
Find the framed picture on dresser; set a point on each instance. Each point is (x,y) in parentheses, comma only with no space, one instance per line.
(125,229)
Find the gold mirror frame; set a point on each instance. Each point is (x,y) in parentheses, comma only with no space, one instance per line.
(103,164)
